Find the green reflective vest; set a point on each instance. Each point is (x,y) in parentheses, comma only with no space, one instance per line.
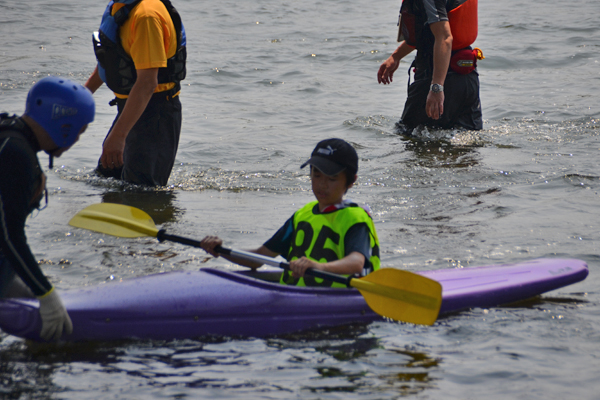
(320,237)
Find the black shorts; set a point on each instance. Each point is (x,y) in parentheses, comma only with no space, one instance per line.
(151,145)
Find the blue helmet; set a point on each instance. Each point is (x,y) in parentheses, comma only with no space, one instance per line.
(62,107)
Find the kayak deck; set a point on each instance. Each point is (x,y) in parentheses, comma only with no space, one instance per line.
(494,285)
(180,305)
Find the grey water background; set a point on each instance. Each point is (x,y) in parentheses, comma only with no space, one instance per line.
(267,80)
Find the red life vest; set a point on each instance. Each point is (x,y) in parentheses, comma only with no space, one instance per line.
(463,24)
(462,19)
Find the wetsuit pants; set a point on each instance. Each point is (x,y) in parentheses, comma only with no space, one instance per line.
(7,274)
(151,145)
(462,107)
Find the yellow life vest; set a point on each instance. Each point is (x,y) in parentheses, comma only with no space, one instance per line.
(321,238)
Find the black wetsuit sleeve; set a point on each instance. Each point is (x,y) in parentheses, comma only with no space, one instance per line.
(358,239)
(15,197)
(281,241)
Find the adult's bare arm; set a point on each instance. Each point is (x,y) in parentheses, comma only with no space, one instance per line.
(141,92)
(385,74)
(94,81)
(442,51)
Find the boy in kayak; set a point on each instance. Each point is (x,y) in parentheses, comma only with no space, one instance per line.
(330,234)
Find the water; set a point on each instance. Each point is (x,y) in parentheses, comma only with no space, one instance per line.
(266,81)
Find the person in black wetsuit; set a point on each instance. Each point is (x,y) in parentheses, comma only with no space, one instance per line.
(445,91)
(57,111)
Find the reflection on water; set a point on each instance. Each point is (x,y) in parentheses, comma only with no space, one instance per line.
(28,369)
(341,360)
(189,178)
(441,148)
(441,155)
(159,204)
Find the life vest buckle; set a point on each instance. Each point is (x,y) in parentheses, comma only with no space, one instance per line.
(465,61)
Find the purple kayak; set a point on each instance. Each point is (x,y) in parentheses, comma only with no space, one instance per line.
(178,305)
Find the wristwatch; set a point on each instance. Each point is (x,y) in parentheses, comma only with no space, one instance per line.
(436,88)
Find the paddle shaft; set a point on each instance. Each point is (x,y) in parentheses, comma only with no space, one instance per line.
(248,256)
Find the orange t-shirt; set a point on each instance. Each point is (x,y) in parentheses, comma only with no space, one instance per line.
(149,37)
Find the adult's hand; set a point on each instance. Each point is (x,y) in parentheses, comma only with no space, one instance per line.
(55,319)
(435,105)
(112,150)
(140,95)
(386,71)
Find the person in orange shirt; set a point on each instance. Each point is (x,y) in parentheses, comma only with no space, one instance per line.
(141,53)
(445,91)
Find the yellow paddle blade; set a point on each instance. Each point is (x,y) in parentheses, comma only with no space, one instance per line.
(115,219)
(401,295)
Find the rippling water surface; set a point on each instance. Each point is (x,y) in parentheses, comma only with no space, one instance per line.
(266,81)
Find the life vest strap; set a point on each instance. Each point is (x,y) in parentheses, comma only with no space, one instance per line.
(122,14)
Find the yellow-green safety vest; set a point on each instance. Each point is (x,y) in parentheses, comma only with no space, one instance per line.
(320,237)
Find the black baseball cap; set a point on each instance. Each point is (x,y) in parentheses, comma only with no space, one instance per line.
(332,156)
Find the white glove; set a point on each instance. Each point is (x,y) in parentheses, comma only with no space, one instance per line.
(54,315)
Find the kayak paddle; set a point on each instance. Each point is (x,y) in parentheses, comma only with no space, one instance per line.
(392,293)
